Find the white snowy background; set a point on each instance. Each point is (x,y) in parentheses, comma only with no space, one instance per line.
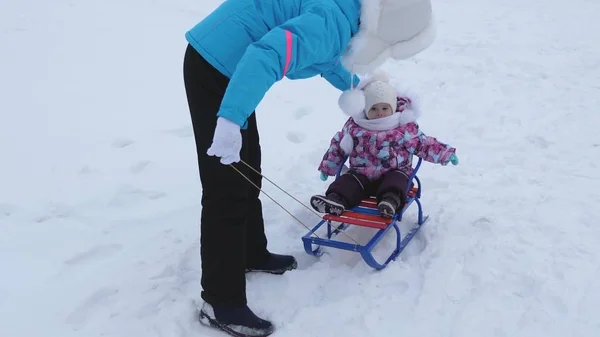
(99,190)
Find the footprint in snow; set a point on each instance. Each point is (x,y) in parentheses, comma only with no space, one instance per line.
(128,194)
(98,252)
(100,298)
(167,272)
(139,167)
(87,170)
(296,137)
(122,143)
(154,306)
(182,132)
(304,111)
(56,212)
(540,142)
(6,210)
(483,223)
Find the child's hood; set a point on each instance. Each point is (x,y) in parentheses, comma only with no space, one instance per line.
(352,103)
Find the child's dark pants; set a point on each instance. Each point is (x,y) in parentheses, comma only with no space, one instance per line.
(232,234)
(354,187)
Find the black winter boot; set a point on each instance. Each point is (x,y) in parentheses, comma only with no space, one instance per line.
(330,204)
(388,206)
(236,321)
(275,264)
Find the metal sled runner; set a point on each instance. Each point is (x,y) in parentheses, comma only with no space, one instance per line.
(367,215)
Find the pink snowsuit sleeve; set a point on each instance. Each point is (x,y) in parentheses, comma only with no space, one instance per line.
(429,148)
(332,159)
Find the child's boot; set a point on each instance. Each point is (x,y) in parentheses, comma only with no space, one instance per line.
(389,205)
(332,203)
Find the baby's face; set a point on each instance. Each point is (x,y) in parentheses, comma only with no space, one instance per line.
(379,110)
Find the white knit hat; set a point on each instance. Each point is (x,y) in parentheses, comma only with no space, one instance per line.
(373,89)
(380,92)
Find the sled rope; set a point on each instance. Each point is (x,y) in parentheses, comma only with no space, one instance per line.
(278,204)
(291,196)
(281,189)
(298,201)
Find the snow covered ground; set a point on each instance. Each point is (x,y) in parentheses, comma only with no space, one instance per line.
(99,192)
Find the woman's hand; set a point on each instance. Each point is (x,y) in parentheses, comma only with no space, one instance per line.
(227,142)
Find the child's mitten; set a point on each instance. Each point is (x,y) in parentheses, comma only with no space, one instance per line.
(324,176)
(454,159)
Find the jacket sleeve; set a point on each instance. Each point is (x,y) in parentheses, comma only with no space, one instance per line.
(296,44)
(339,77)
(429,148)
(332,159)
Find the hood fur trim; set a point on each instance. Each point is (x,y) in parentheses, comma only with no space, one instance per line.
(413,111)
(352,102)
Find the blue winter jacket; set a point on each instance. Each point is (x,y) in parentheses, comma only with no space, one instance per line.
(255,43)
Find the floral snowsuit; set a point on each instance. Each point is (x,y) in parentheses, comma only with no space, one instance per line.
(376,152)
(380,161)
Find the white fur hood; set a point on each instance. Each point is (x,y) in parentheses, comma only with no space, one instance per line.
(389,29)
(352,103)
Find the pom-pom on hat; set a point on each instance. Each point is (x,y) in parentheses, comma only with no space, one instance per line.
(370,91)
(352,102)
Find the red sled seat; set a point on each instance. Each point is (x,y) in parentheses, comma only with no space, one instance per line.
(366,213)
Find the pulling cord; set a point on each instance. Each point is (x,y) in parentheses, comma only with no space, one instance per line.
(291,196)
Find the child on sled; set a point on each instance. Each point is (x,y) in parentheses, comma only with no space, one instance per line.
(380,138)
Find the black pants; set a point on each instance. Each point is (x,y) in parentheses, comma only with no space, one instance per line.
(232,235)
(354,187)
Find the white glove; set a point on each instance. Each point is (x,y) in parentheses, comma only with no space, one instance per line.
(227,141)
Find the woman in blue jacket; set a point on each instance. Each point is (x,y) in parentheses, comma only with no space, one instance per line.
(234,55)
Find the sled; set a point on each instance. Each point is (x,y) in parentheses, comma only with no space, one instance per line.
(367,215)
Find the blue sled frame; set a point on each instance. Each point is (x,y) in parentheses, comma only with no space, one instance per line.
(363,215)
